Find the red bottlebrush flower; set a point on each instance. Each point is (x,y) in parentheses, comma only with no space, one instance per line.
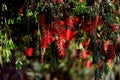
(88,63)
(69,34)
(70,22)
(59,30)
(115,2)
(115,11)
(29,51)
(20,10)
(110,52)
(59,1)
(109,49)
(55,22)
(97,21)
(42,20)
(87,26)
(76,20)
(62,36)
(86,43)
(114,27)
(46,39)
(61,47)
(81,1)
(106,45)
(58,26)
(61,23)
(84,54)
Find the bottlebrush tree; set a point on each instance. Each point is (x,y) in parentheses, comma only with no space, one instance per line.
(61,34)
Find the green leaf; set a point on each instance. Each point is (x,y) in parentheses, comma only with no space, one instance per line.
(11,21)
(11,44)
(18,64)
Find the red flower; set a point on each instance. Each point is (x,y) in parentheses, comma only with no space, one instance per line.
(84,54)
(97,21)
(29,51)
(109,49)
(110,52)
(55,22)
(89,26)
(114,27)
(42,20)
(61,47)
(58,26)
(115,2)
(69,34)
(81,0)
(88,64)
(70,22)
(77,19)
(59,30)
(86,43)
(46,39)
(20,10)
(115,11)
(61,23)
(59,1)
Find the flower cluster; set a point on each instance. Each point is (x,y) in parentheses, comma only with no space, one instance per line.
(61,31)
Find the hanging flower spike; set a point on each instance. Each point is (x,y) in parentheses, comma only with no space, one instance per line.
(87,26)
(61,46)
(59,1)
(108,42)
(42,20)
(61,23)
(20,10)
(55,22)
(58,26)
(59,30)
(29,51)
(115,2)
(111,52)
(81,0)
(115,11)
(70,34)
(46,39)
(86,43)
(77,19)
(84,54)
(70,22)
(88,63)
(97,21)
(114,27)
(109,49)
